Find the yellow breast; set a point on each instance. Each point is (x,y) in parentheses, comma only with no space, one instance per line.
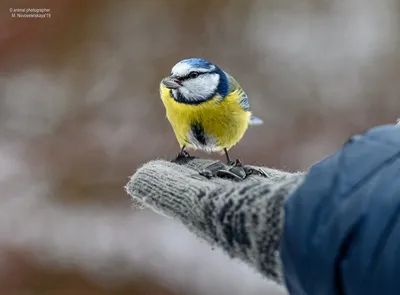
(223,121)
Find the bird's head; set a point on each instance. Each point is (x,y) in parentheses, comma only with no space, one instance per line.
(196,80)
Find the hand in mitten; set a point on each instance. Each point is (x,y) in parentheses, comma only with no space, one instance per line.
(245,218)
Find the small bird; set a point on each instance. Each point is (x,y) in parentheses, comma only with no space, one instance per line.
(207,108)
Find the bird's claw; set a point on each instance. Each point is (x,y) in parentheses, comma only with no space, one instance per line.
(235,163)
(181,156)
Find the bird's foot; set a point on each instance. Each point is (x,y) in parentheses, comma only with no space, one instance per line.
(236,163)
(182,155)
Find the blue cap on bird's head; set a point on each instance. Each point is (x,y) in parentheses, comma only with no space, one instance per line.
(195,62)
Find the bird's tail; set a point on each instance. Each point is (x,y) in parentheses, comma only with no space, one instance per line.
(255,121)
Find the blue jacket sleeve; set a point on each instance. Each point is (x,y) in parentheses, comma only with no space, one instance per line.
(342,226)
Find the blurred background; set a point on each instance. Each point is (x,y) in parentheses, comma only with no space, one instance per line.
(80,111)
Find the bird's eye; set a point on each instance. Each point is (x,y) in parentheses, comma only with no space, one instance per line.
(193,75)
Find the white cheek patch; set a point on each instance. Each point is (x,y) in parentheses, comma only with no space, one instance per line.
(200,88)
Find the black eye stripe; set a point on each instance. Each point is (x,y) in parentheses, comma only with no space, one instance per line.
(188,76)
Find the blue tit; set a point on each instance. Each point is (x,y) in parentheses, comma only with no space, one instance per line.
(207,108)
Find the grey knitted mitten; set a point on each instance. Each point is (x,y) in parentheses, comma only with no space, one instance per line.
(244,218)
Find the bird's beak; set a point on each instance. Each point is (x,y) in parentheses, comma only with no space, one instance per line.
(171,83)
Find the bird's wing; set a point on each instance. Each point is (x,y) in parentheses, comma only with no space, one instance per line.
(234,86)
(244,102)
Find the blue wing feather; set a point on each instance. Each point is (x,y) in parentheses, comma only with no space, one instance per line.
(244,102)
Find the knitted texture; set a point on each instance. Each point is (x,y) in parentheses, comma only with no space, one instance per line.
(244,218)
